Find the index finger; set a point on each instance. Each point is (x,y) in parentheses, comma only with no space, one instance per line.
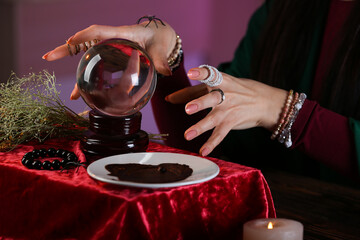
(97,32)
(57,53)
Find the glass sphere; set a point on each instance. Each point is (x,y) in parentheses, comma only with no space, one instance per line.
(116,77)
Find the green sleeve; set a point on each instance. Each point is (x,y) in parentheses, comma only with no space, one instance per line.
(240,65)
(355,127)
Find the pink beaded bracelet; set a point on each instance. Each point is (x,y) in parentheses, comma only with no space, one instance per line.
(284,114)
(290,112)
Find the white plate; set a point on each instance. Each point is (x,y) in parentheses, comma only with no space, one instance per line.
(203,169)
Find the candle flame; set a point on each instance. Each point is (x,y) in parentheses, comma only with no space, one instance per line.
(270,225)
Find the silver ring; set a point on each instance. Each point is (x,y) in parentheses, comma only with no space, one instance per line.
(221,92)
(214,79)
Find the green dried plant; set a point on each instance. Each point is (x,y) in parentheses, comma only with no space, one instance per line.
(31,109)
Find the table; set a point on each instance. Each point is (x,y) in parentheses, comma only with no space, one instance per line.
(328,211)
(71,205)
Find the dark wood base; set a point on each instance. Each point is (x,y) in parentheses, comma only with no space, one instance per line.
(109,136)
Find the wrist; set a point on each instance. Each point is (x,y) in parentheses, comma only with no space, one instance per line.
(274,108)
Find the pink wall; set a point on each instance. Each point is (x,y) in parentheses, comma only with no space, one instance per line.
(210,30)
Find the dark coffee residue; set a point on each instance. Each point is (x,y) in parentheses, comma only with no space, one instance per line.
(142,173)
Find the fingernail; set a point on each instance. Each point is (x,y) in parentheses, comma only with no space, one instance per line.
(191,108)
(72,96)
(46,55)
(167,98)
(69,39)
(204,152)
(193,73)
(190,135)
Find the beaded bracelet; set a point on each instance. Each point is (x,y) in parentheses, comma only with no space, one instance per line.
(175,57)
(30,159)
(290,112)
(284,114)
(285,135)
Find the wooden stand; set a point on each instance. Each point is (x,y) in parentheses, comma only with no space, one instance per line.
(109,135)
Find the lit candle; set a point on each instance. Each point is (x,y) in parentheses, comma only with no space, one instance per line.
(273,229)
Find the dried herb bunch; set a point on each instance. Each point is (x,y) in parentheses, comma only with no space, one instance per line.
(31,109)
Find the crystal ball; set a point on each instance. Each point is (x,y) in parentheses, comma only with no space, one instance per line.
(116,77)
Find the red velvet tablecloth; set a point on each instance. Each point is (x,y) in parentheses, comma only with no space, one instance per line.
(41,204)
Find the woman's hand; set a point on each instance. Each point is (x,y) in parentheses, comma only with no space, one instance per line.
(247,104)
(158,40)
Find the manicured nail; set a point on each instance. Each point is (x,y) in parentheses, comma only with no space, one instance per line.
(190,135)
(72,96)
(193,73)
(204,152)
(46,55)
(69,39)
(191,108)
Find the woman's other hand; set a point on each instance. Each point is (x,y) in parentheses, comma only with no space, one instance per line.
(247,104)
(157,39)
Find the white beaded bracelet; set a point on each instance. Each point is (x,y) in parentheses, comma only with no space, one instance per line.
(285,135)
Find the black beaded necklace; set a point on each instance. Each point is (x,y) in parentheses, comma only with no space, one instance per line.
(69,159)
